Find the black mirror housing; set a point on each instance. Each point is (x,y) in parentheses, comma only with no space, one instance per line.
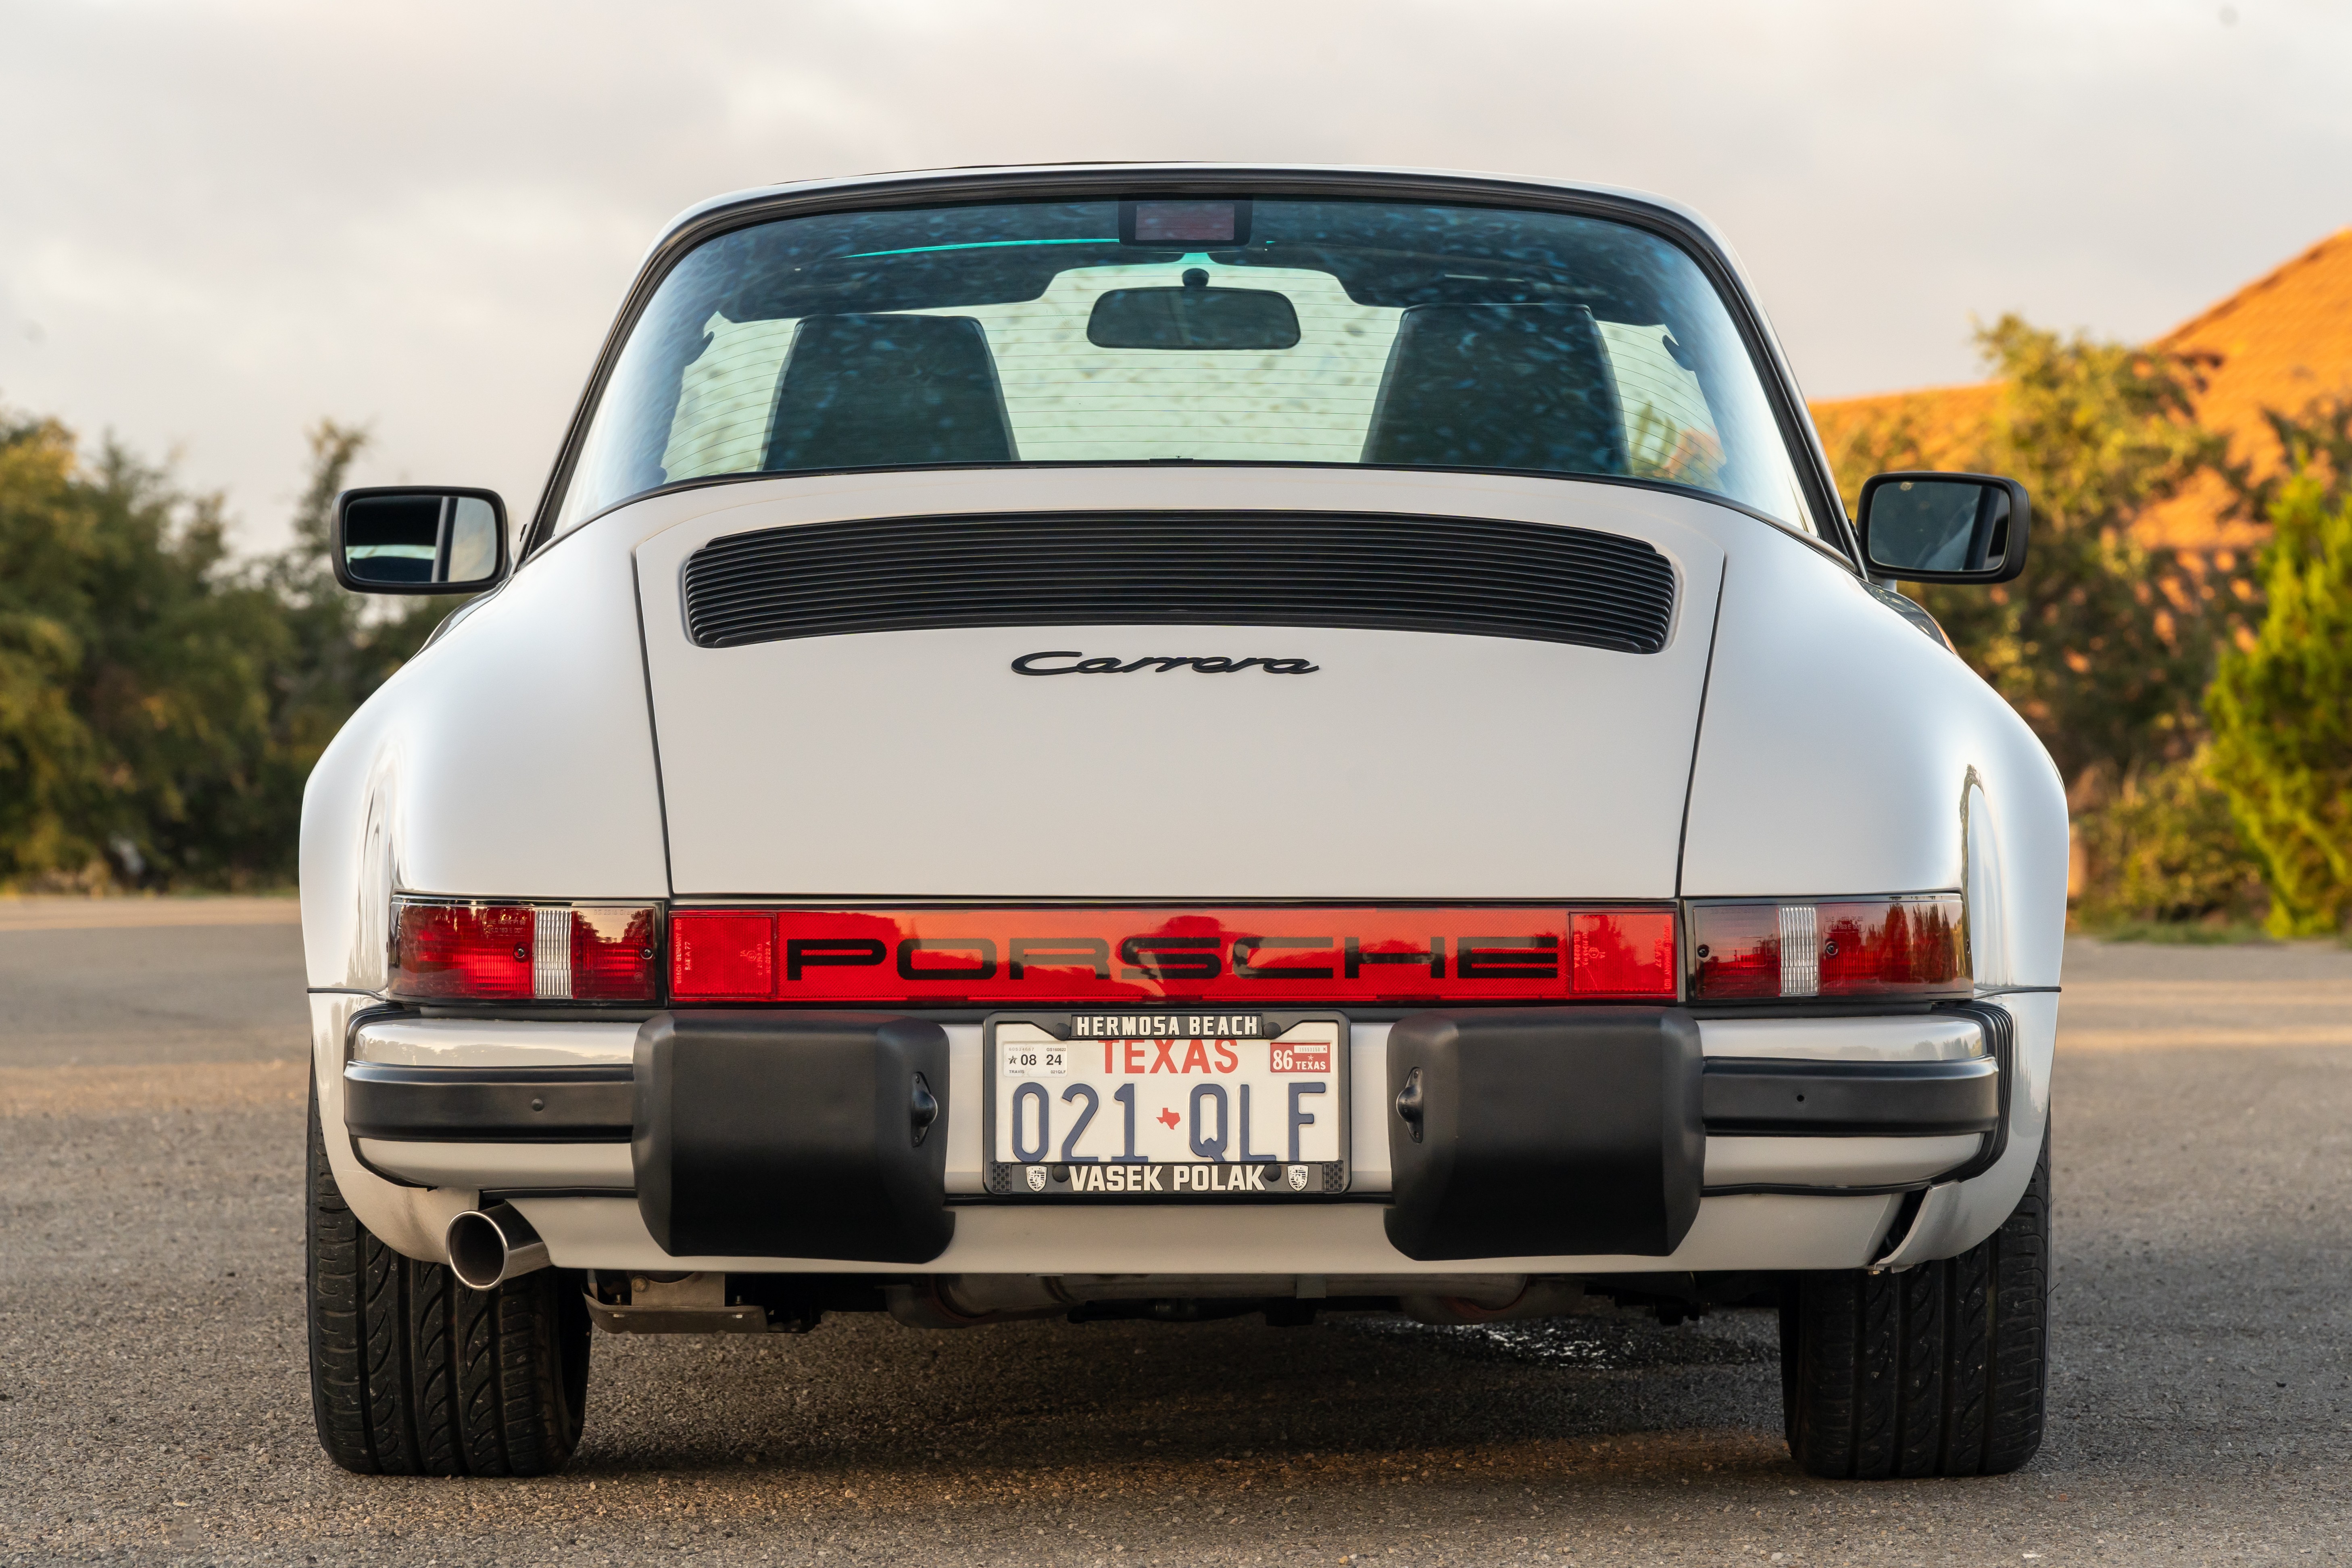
(1927,527)
(419,539)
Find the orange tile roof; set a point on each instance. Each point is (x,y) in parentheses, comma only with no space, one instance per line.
(2280,342)
(1931,427)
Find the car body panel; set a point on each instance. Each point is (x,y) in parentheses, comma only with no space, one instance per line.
(1735,1233)
(1875,736)
(564,740)
(918,764)
(514,754)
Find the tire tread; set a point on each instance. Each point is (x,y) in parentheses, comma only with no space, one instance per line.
(414,1374)
(1942,1370)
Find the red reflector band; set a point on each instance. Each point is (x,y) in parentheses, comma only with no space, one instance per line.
(1041,957)
(1623,952)
(522,952)
(720,957)
(1910,946)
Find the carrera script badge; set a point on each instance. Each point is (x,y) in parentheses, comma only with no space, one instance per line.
(1053,663)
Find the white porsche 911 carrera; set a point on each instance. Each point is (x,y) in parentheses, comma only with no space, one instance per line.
(1179,742)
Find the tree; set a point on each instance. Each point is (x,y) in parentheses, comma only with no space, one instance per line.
(2103,645)
(161,705)
(131,661)
(339,647)
(48,757)
(2281,707)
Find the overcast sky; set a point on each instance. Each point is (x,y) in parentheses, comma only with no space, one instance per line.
(221,221)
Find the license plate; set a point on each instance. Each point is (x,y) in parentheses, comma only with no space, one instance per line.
(1166,1106)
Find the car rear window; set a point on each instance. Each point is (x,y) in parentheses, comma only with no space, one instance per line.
(1218,331)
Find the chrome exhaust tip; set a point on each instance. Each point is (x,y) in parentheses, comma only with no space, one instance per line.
(489,1246)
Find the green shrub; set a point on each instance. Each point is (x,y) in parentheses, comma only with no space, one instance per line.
(2282,710)
(2166,850)
(2184,933)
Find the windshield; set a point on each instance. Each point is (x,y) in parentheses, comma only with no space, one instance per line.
(1231,331)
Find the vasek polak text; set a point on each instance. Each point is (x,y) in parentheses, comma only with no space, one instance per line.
(1254,1177)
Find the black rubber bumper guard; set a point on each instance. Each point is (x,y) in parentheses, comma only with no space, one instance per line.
(1850,1099)
(490,1105)
(1517,1133)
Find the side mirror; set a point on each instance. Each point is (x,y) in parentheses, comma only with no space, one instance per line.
(409,538)
(1944,528)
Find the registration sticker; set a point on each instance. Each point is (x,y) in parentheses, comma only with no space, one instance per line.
(1290,1056)
(1030,1059)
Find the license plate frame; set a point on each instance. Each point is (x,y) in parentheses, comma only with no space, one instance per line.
(1146,1180)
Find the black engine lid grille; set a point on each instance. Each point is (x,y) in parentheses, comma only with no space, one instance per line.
(1468,576)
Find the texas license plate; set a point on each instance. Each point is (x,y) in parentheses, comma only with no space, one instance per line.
(1166,1106)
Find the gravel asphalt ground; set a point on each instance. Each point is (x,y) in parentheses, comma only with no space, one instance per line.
(154,1404)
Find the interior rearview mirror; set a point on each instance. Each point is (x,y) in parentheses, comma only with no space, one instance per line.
(406,539)
(1944,528)
(1195,316)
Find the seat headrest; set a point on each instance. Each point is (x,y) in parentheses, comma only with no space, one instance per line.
(883,391)
(1499,386)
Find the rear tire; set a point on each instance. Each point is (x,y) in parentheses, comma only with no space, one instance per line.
(1942,1370)
(414,1374)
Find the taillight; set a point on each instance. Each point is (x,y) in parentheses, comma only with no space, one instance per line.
(1910,945)
(614,949)
(1374,956)
(523,953)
